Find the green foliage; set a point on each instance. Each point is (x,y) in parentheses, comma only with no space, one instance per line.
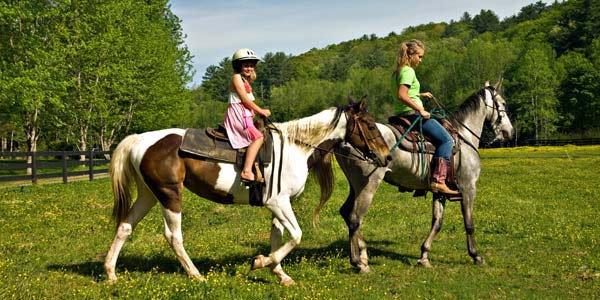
(89,71)
(535,221)
(534,84)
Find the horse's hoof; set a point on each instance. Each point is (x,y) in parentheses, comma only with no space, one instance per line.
(258,262)
(424,262)
(287,281)
(479,261)
(199,278)
(364,269)
(111,280)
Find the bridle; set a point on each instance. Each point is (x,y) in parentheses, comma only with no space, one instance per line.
(364,134)
(495,107)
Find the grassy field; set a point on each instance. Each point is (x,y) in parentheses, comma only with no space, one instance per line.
(536,221)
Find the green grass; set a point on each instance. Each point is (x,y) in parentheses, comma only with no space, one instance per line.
(536,226)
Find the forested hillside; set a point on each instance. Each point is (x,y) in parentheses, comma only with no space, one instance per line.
(83,74)
(548,55)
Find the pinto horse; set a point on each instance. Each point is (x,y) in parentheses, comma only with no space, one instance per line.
(405,171)
(152,161)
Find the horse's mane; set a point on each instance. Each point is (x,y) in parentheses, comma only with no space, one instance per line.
(309,131)
(469,106)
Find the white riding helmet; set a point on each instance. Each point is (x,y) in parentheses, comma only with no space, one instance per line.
(244,54)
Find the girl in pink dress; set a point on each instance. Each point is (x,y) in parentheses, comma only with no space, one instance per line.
(240,112)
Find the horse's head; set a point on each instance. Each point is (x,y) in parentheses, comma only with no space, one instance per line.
(362,133)
(497,113)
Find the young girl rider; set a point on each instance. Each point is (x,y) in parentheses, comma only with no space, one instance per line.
(241,110)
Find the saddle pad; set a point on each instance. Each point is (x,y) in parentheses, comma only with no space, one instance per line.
(197,142)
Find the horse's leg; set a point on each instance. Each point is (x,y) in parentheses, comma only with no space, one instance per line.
(281,209)
(437,216)
(145,201)
(276,242)
(353,211)
(467,212)
(175,238)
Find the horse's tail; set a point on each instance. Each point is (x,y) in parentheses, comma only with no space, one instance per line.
(321,168)
(122,176)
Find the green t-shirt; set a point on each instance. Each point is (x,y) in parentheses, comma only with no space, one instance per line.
(407,77)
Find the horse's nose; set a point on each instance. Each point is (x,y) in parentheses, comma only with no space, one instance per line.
(388,158)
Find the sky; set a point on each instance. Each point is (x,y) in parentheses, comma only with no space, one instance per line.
(214,29)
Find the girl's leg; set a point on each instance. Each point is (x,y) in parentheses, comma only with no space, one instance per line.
(251,153)
(443,140)
(441,158)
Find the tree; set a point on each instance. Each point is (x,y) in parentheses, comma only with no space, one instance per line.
(533,92)
(485,21)
(274,70)
(28,61)
(578,93)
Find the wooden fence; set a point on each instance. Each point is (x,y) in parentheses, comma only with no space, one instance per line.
(52,164)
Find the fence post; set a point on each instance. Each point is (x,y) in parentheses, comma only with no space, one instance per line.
(91,158)
(64,167)
(34,167)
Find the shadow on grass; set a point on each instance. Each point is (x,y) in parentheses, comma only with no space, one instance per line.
(228,264)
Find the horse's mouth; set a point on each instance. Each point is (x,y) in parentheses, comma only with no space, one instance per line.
(506,135)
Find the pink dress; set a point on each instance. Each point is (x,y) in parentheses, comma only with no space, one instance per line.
(238,120)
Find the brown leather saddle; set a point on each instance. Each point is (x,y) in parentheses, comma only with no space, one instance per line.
(413,143)
(213,144)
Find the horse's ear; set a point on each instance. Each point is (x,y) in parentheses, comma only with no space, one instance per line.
(487,83)
(498,85)
(363,103)
(351,100)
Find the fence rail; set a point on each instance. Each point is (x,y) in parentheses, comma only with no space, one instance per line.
(562,142)
(45,164)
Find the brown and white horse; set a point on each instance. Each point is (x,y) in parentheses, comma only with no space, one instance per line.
(152,161)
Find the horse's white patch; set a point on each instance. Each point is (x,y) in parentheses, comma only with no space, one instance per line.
(229,181)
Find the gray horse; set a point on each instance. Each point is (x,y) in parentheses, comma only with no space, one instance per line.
(408,171)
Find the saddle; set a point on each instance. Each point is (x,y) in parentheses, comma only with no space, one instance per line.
(412,143)
(213,144)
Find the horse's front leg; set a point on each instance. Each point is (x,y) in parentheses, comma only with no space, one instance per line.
(467,212)
(437,218)
(362,190)
(283,218)
(358,247)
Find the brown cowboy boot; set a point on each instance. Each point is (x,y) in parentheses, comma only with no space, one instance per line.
(438,177)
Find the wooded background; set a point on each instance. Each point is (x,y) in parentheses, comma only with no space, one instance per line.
(82,74)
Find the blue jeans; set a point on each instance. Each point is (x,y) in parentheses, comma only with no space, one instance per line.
(440,137)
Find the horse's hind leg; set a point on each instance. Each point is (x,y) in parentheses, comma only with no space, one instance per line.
(145,201)
(437,217)
(175,238)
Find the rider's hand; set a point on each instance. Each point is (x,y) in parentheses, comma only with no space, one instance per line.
(266,113)
(425,114)
(427,95)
